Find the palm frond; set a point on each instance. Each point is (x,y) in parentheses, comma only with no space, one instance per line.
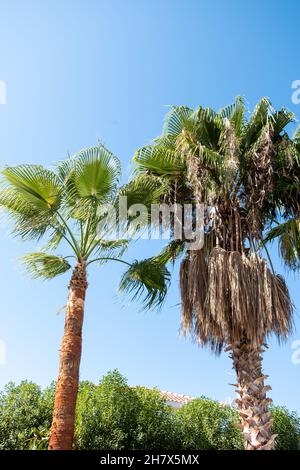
(160,161)
(28,221)
(170,252)
(208,128)
(35,184)
(177,119)
(92,175)
(235,113)
(56,236)
(143,189)
(258,119)
(280,119)
(296,139)
(44,265)
(288,235)
(233,296)
(146,280)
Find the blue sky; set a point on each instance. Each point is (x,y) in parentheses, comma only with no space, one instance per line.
(79,71)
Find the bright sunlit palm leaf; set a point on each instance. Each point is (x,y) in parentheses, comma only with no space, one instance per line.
(35,184)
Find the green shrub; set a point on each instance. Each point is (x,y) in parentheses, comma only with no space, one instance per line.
(106,414)
(208,425)
(286,425)
(24,411)
(114,416)
(158,426)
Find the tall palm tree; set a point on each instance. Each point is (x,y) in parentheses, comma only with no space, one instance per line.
(231,297)
(64,206)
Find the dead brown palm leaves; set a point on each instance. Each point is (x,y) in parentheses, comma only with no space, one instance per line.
(229,295)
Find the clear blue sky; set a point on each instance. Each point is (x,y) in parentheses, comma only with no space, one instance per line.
(76,71)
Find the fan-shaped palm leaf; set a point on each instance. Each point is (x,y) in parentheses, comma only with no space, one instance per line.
(160,161)
(179,118)
(91,176)
(37,185)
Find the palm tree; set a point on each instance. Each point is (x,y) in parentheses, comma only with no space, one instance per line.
(64,206)
(231,297)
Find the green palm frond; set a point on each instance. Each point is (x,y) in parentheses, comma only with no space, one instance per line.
(97,172)
(210,159)
(143,189)
(64,168)
(35,184)
(280,119)
(229,111)
(141,193)
(44,265)
(28,221)
(258,119)
(235,113)
(170,252)
(56,236)
(148,281)
(208,128)
(91,175)
(288,235)
(160,160)
(177,119)
(297,141)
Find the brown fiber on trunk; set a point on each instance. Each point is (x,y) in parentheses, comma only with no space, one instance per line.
(62,429)
(252,404)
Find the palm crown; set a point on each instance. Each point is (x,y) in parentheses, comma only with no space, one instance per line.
(234,165)
(62,205)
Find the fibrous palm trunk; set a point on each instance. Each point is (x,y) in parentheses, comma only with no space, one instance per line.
(62,429)
(252,404)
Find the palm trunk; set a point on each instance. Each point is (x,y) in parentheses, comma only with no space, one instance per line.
(252,404)
(62,429)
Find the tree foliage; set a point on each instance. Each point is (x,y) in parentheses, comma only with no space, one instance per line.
(207,425)
(114,416)
(25,415)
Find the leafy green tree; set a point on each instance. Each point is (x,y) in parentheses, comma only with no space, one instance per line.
(232,163)
(115,416)
(208,425)
(158,426)
(106,415)
(286,425)
(25,410)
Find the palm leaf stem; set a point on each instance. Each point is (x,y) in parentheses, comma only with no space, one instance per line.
(108,259)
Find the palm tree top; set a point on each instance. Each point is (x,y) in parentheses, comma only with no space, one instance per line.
(61,204)
(234,162)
